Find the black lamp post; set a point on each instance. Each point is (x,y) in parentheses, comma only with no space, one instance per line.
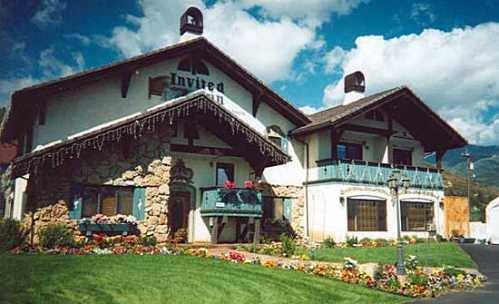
(397,183)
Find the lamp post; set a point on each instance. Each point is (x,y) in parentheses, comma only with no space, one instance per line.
(397,183)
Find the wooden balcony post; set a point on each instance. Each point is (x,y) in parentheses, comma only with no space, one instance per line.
(256,236)
(214,230)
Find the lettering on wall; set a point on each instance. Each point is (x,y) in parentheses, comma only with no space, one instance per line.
(179,83)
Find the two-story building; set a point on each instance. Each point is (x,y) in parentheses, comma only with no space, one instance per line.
(189,142)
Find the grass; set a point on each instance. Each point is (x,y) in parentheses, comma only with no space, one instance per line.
(166,279)
(428,254)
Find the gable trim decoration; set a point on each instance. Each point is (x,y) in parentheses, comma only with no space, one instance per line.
(260,151)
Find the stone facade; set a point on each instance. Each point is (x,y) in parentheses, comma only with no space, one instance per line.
(145,162)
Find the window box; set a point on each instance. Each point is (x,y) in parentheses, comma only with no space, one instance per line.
(123,229)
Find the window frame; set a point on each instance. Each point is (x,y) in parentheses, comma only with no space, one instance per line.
(404,212)
(402,150)
(225,165)
(347,145)
(381,216)
(100,189)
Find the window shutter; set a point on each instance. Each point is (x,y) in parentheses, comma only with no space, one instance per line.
(284,144)
(76,201)
(288,208)
(139,202)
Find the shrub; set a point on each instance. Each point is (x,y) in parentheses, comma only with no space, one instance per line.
(411,262)
(11,234)
(453,271)
(365,242)
(352,241)
(419,279)
(149,240)
(381,242)
(55,235)
(329,242)
(440,238)
(288,245)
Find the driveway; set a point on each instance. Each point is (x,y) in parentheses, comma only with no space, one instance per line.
(487,258)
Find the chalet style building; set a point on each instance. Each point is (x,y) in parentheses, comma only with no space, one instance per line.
(189,142)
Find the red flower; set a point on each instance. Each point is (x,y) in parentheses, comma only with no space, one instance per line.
(249,184)
(229,184)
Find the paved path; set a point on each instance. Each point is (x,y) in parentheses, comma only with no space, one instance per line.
(487,258)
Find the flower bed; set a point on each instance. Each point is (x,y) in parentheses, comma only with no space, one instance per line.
(418,283)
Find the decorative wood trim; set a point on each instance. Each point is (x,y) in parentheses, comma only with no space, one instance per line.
(204,150)
(364,129)
(126,76)
(257,99)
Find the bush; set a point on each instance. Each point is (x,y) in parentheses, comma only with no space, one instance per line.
(440,238)
(452,271)
(149,240)
(381,242)
(55,235)
(11,234)
(329,242)
(352,241)
(365,242)
(418,279)
(288,245)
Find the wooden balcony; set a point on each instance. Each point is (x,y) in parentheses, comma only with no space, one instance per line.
(237,202)
(364,172)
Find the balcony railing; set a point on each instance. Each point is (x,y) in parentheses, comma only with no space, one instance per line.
(241,202)
(365,172)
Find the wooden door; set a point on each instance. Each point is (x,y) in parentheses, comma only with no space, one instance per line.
(178,212)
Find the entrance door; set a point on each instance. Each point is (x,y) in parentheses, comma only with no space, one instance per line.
(178,214)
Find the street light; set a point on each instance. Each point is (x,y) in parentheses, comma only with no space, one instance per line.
(398,183)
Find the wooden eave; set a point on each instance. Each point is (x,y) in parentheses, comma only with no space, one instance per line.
(254,147)
(405,107)
(23,101)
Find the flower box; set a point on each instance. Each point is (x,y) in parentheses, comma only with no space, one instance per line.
(123,229)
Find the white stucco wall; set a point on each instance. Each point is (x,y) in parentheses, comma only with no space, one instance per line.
(328,217)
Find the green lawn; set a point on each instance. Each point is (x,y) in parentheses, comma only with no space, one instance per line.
(166,279)
(428,254)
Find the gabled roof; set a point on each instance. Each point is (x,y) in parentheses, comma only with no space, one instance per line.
(22,101)
(197,106)
(404,106)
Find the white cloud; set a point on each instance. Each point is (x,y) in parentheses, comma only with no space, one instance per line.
(266,44)
(455,72)
(422,13)
(49,13)
(51,68)
(310,109)
(311,12)
(84,40)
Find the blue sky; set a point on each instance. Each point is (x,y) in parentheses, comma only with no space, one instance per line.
(446,51)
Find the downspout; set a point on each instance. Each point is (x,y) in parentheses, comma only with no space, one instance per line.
(305,183)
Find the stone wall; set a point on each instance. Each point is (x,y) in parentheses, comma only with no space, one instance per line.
(142,163)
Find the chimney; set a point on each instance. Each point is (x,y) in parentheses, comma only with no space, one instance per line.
(355,85)
(191,24)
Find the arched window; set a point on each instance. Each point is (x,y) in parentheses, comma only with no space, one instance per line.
(193,66)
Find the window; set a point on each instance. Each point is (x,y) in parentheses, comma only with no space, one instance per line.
(416,216)
(107,200)
(349,151)
(278,137)
(366,215)
(375,115)
(193,66)
(402,157)
(225,172)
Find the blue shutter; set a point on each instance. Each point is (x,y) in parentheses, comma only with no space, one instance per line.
(284,144)
(288,208)
(139,203)
(76,201)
